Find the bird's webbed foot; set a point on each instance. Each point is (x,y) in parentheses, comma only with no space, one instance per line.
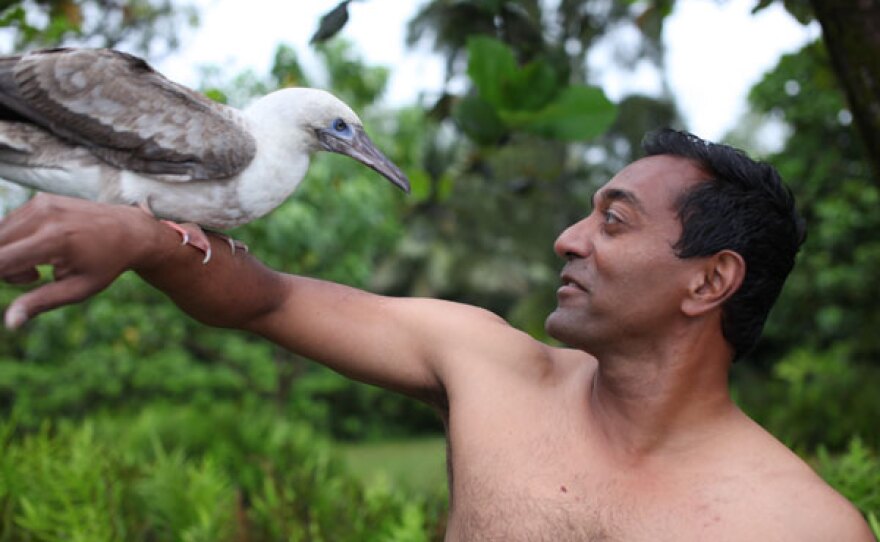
(234,244)
(194,235)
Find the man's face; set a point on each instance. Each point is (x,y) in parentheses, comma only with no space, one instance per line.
(622,283)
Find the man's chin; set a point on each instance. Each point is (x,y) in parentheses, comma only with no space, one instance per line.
(569,329)
(558,326)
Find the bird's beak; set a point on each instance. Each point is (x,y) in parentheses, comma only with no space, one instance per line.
(362,149)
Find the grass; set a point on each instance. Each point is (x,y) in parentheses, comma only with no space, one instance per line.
(416,465)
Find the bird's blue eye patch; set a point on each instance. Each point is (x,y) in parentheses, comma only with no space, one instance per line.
(341,127)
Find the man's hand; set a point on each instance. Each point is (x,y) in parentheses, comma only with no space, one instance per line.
(87,244)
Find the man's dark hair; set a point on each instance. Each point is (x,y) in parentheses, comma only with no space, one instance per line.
(742,206)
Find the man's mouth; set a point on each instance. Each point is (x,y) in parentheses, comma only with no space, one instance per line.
(568,282)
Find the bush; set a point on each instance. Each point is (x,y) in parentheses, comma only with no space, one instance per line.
(351,411)
(856,474)
(814,398)
(211,474)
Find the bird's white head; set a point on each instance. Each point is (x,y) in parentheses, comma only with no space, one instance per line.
(325,122)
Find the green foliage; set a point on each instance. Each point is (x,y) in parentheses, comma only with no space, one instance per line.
(192,474)
(824,389)
(331,23)
(578,114)
(828,300)
(418,464)
(856,474)
(60,490)
(350,410)
(799,9)
(491,66)
(814,398)
(820,347)
(286,69)
(149,26)
(478,119)
(356,83)
(452,24)
(533,98)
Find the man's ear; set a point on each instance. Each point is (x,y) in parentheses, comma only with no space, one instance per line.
(715,281)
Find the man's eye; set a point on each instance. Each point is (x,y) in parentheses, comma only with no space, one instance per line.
(611,218)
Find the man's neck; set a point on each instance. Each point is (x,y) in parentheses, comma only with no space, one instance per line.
(661,402)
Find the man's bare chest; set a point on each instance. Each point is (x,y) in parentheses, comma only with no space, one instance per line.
(523,518)
(549,481)
(529,507)
(530,483)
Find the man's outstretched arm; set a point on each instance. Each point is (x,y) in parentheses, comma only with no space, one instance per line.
(401,344)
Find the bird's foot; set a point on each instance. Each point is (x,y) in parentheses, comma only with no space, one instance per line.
(193,235)
(234,244)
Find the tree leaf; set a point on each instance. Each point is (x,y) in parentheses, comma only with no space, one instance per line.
(420,185)
(217,95)
(331,23)
(580,113)
(490,64)
(531,87)
(286,69)
(761,5)
(478,119)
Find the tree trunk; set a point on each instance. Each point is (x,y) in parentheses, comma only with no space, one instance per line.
(851,29)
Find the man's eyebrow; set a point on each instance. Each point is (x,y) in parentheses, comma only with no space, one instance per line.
(618,194)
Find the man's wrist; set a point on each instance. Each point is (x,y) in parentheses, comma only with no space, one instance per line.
(154,244)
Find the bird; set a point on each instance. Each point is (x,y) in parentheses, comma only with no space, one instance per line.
(103,125)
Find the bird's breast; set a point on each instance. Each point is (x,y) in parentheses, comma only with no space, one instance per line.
(269,180)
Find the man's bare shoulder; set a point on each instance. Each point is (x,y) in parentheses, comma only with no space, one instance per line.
(477,344)
(807,508)
(790,501)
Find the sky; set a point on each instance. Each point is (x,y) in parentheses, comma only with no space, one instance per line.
(716,50)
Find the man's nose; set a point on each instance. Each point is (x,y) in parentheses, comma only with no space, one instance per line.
(575,241)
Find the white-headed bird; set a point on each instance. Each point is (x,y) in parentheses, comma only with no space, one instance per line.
(103,125)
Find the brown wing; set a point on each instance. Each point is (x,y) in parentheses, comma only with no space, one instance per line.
(125,112)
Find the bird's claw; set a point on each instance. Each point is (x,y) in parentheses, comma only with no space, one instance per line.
(235,244)
(193,235)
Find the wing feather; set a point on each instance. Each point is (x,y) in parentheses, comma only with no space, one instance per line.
(127,113)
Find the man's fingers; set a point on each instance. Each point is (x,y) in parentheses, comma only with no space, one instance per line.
(50,296)
(19,256)
(22,221)
(23,277)
(83,241)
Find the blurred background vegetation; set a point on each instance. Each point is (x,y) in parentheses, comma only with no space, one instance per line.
(124,420)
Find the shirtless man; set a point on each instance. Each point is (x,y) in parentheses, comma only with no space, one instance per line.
(629,435)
